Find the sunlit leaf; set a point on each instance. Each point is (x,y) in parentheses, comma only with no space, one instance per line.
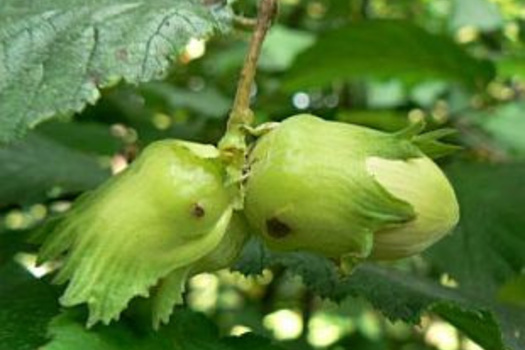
(58,54)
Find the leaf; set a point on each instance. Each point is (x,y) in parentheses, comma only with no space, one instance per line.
(209,101)
(387,94)
(36,165)
(188,331)
(367,50)
(481,14)
(87,137)
(152,117)
(385,120)
(281,46)
(251,341)
(512,65)
(513,292)
(479,326)
(487,248)
(403,296)
(483,255)
(11,242)
(398,295)
(504,124)
(68,332)
(56,55)
(26,307)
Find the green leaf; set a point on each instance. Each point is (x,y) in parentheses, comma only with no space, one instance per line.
(11,242)
(88,137)
(209,101)
(385,120)
(513,292)
(478,325)
(32,167)
(384,49)
(398,295)
(26,307)
(481,14)
(504,124)
(251,341)
(487,248)
(512,65)
(402,296)
(187,331)
(58,54)
(484,255)
(281,46)
(67,332)
(387,94)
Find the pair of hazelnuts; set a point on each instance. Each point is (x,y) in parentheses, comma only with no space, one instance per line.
(330,188)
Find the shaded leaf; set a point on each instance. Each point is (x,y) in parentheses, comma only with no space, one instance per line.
(11,242)
(31,167)
(398,295)
(513,292)
(484,253)
(504,124)
(67,332)
(209,101)
(487,247)
(512,66)
(58,54)
(88,137)
(478,325)
(385,120)
(187,331)
(251,341)
(26,307)
(366,50)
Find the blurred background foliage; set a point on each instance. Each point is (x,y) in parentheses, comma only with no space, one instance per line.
(378,63)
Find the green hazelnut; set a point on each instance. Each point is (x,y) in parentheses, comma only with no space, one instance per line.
(170,289)
(421,183)
(152,222)
(342,190)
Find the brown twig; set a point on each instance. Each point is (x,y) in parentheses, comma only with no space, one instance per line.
(244,22)
(233,146)
(241,113)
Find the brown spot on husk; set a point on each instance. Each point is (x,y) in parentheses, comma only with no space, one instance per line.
(277,229)
(197,211)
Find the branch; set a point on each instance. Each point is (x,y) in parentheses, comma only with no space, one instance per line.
(233,146)
(244,22)
(241,112)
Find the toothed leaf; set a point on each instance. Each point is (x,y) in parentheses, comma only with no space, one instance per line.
(58,55)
